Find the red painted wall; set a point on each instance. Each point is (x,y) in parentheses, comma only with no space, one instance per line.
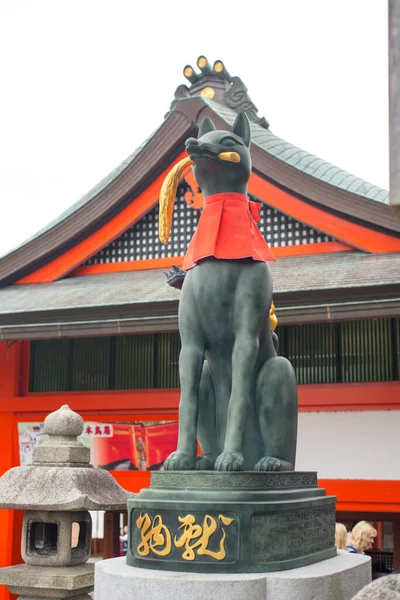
(16,404)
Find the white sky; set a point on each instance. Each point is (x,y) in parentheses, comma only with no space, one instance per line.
(84,82)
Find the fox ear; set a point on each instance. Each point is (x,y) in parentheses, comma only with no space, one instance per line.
(241,127)
(206,126)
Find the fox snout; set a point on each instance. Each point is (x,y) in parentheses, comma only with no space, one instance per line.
(191,144)
(195,147)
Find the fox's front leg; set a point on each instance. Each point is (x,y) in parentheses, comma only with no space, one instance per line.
(207,432)
(190,366)
(191,360)
(244,358)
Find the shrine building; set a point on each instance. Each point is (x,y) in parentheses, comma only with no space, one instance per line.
(88,316)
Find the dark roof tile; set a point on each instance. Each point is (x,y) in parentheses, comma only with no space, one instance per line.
(309,163)
(290,274)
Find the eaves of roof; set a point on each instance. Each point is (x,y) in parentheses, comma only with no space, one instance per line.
(105,200)
(304,161)
(88,197)
(311,288)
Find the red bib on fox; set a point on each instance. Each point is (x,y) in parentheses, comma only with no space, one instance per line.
(227,230)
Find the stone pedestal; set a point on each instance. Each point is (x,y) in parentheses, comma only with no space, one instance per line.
(235,522)
(338,578)
(49,582)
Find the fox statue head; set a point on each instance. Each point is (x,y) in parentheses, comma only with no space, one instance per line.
(221,159)
(221,163)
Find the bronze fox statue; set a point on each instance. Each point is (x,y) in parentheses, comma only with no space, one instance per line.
(238,397)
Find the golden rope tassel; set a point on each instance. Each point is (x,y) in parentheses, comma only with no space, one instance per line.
(273,320)
(168,192)
(167,198)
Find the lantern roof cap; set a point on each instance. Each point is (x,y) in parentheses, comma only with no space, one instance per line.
(61,476)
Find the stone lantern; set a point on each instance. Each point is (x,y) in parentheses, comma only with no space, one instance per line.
(57,490)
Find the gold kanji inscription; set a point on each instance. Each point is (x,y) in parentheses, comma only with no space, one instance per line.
(156,537)
(195,538)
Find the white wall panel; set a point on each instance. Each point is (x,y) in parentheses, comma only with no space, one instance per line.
(350,445)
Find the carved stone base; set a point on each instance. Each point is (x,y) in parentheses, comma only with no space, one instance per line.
(239,522)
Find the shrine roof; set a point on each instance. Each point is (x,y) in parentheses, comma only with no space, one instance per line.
(90,195)
(303,160)
(306,284)
(108,197)
(215,93)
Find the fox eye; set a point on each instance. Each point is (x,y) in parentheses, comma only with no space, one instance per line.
(228,142)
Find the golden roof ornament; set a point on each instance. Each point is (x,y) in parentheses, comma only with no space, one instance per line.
(214,82)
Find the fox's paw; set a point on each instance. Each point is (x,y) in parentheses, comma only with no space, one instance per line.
(229,461)
(270,463)
(180,461)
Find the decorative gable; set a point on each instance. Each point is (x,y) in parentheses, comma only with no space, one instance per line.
(141,242)
(282,230)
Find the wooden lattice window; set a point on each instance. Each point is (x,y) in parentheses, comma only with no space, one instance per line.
(353,351)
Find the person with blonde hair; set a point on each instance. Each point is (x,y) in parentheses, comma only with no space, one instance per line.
(340,536)
(361,537)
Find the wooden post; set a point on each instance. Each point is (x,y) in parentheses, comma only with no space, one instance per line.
(379,538)
(396,544)
(111,544)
